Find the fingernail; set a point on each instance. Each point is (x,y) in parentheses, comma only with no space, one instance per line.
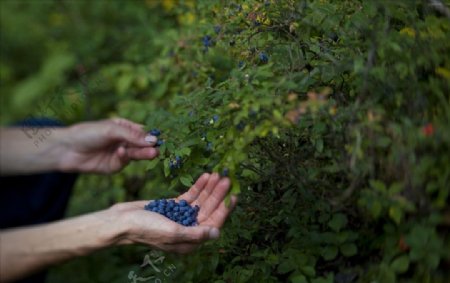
(214,233)
(150,139)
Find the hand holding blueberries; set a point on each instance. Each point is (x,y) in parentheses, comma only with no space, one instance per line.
(152,228)
(107,146)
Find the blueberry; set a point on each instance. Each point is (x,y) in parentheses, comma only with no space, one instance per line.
(159,142)
(207,42)
(183,202)
(186,213)
(217,29)
(263,57)
(240,126)
(225,172)
(176,208)
(155,132)
(241,64)
(216,118)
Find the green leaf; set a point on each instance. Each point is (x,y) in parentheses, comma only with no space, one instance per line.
(286,266)
(299,279)
(186,180)
(152,164)
(329,252)
(376,208)
(308,271)
(378,185)
(124,83)
(338,221)
(396,214)
(166,167)
(184,151)
(395,188)
(400,264)
(348,249)
(319,145)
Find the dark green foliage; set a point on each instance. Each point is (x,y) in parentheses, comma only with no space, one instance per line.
(332,118)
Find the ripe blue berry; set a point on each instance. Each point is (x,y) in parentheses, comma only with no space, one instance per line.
(240,126)
(159,142)
(207,42)
(263,57)
(225,172)
(155,132)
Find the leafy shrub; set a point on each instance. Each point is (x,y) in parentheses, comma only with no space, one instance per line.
(330,117)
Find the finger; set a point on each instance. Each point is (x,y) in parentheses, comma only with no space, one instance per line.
(193,193)
(216,197)
(196,234)
(118,160)
(133,137)
(218,217)
(142,153)
(128,123)
(204,194)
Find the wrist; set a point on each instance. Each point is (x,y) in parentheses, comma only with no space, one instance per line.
(115,228)
(66,150)
(121,227)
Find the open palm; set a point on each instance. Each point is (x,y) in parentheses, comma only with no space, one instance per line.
(150,228)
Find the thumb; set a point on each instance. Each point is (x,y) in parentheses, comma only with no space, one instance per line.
(199,234)
(133,136)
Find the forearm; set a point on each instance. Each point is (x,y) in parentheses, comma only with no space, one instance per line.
(24,251)
(20,155)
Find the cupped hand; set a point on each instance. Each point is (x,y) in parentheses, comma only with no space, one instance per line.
(153,229)
(106,146)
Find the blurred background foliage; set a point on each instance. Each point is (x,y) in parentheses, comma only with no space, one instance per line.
(332,118)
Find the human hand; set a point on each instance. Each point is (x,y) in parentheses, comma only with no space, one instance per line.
(106,146)
(153,229)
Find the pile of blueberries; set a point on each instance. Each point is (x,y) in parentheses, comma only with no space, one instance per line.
(180,212)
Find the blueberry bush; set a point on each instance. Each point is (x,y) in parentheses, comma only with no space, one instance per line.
(332,119)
